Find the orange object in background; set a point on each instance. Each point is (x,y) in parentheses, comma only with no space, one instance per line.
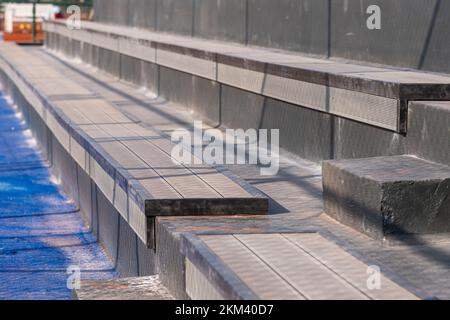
(22,32)
(18,21)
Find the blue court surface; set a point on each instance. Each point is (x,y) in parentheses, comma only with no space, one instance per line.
(42,233)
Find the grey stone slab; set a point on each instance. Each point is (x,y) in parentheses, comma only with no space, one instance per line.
(388,196)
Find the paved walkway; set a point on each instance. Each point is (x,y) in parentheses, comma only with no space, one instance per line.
(41,230)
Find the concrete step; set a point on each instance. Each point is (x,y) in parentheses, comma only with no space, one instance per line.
(131,165)
(138,288)
(372,95)
(294,266)
(388,196)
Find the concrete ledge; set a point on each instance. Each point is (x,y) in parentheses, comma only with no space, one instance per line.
(372,95)
(388,196)
(130,164)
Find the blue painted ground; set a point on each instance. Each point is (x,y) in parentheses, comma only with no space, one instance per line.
(41,231)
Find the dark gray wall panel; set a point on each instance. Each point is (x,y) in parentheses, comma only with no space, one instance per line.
(401,40)
(127,255)
(147,260)
(304,132)
(198,94)
(65,170)
(355,140)
(109,61)
(241,109)
(142,14)
(436,53)
(130,69)
(175,16)
(300,25)
(206,94)
(38,129)
(150,76)
(413,33)
(220,19)
(112,11)
(176,86)
(88,54)
(429,131)
(108,226)
(170,261)
(86,201)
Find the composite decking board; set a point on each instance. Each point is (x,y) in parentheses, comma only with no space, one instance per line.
(95,133)
(186,183)
(306,274)
(74,115)
(40,72)
(126,159)
(149,179)
(222,184)
(102,111)
(347,266)
(152,181)
(250,269)
(210,177)
(147,176)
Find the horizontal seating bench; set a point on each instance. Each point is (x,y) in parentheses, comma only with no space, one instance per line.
(373,95)
(131,164)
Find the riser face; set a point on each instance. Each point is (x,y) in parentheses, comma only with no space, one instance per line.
(429,131)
